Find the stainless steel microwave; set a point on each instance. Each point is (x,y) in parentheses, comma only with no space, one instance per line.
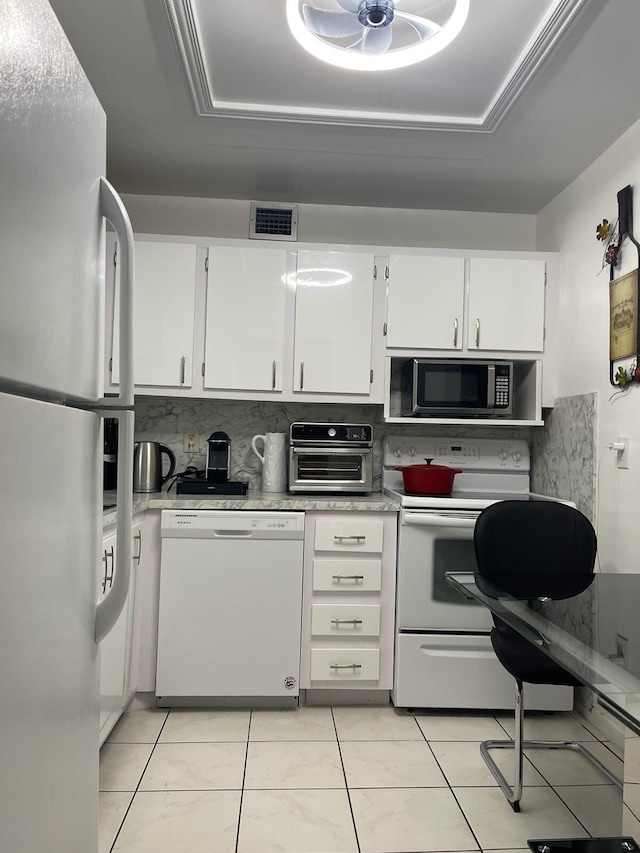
(457,388)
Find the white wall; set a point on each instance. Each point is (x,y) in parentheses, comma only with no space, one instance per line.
(317,223)
(568,225)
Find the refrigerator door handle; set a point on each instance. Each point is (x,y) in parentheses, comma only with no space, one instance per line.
(114,210)
(109,609)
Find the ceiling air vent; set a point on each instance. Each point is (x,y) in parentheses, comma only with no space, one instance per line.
(273,221)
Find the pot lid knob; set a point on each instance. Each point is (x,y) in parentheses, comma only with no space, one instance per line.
(428,459)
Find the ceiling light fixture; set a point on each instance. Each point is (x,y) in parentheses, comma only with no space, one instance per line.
(372,21)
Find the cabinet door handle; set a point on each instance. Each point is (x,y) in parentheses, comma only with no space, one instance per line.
(455,331)
(183,369)
(348,578)
(108,576)
(301,375)
(356,538)
(346,621)
(478,333)
(273,376)
(103,582)
(138,538)
(345,666)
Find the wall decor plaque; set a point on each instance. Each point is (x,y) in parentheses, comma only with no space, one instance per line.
(623,316)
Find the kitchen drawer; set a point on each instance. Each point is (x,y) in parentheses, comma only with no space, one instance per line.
(345,620)
(347,575)
(345,664)
(363,536)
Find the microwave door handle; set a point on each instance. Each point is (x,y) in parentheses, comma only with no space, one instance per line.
(491,386)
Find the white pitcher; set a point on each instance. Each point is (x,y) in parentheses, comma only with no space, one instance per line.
(273,458)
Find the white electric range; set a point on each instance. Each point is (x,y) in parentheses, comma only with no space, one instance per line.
(444,657)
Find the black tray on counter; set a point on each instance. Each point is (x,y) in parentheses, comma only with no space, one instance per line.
(193,485)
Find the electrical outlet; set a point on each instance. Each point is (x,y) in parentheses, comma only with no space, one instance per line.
(191,441)
(621,657)
(623,454)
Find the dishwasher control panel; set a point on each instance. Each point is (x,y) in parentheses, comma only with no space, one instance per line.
(232,524)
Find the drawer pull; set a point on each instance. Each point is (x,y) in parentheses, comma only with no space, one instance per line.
(348,578)
(357,538)
(345,666)
(346,622)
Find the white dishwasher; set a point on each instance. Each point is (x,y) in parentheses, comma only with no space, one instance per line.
(230,605)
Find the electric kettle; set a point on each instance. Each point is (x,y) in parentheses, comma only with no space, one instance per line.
(147,466)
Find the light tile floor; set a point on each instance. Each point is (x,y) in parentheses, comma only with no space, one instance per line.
(341,780)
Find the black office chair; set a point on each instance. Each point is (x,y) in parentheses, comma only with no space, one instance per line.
(532,550)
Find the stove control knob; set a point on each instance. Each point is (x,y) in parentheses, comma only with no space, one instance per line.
(397,453)
(502,455)
(412,452)
(517,456)
(331,431)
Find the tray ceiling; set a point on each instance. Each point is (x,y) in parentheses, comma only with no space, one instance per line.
(249,65)
(248,114)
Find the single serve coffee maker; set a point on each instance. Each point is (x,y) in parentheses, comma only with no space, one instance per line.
(218,457)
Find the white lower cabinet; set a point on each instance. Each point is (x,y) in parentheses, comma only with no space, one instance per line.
(330,575)
(345,665)
(345,620)
(115,651)
(348,600)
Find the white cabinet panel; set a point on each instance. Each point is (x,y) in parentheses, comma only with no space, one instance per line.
(345,664)
(425,302)
(333,325)
(163,315)
(347,575)
(345,620)
(506,304)
(354,535)
(245,316)
(116,687)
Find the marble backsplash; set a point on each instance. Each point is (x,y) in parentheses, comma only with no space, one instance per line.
(563,465)
(165,419)
(563,454)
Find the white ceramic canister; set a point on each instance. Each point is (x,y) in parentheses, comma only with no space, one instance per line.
(273,458)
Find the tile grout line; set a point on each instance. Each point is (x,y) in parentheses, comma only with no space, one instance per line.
(155,743)
(244,776)
(346,784)
(446,779)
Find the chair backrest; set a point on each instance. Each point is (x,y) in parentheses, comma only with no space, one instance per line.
(532,549)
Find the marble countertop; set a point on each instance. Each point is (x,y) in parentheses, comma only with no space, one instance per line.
(375,502)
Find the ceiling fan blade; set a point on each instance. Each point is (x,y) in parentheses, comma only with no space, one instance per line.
(423,26)
(331,24)
(374,41)
(349,5)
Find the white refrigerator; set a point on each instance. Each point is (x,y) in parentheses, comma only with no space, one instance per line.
(53,204)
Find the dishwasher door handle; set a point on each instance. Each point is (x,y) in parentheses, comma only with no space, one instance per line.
(233,534)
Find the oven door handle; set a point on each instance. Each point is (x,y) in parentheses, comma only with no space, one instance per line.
(431,520)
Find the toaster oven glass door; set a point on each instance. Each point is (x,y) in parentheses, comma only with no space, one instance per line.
(338,468)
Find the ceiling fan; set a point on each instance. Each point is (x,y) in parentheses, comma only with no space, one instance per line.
(372,23)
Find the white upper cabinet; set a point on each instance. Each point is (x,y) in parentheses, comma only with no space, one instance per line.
(163,315)
(245,316)
(333,323)
(425,302)
(506,304)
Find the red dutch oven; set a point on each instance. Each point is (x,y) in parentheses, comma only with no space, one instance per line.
(428,479)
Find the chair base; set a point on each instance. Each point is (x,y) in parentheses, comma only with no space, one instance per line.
(513,793)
